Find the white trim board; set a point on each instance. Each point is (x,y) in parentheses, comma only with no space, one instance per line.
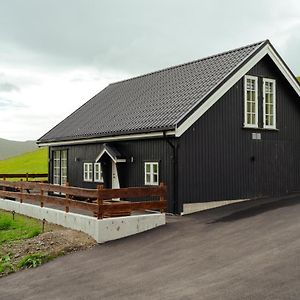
(109,138)
(266,50)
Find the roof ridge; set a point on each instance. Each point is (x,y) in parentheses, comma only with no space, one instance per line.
(191,62)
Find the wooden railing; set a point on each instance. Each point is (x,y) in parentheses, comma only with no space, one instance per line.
(94,200)
(25,176)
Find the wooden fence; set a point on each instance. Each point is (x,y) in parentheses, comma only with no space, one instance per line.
(97,201)
(25,176)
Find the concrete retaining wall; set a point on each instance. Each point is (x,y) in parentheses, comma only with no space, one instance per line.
(101,230)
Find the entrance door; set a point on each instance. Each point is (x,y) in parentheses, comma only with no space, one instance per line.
(115,184)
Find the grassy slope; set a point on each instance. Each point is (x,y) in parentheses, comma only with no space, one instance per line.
(19,228)
(12,148)
(298,78)
(31,162)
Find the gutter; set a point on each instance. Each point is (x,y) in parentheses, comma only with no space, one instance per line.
(137,136)
(175,171)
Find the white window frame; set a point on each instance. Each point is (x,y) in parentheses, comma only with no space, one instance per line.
(273,81)
(88,172)
(151,173)
(98,173)
(245,101)
(60,167)
(56,167)
(63,167)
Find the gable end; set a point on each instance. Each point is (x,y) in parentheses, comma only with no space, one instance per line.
(268,49)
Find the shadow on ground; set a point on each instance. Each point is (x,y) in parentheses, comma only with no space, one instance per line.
(259,209)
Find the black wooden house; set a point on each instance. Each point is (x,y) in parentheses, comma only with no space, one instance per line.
(222,128)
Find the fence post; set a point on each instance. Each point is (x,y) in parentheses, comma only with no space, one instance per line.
(99,202)
(42,197)
(21,191)
(67,209)
(162,198)
(27,176)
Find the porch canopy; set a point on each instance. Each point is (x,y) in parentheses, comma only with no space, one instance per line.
(112,152)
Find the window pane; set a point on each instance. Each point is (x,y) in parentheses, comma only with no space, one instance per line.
(248,95)
(155,168)
(249,119)
(148,178)
(148,168)
(155,178)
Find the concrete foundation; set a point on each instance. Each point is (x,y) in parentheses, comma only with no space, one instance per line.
(189,208)
(102,230)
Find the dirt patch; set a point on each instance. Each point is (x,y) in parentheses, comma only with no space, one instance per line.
(55,242)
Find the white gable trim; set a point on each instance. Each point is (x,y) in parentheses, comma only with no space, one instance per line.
(233,80)
(115,160)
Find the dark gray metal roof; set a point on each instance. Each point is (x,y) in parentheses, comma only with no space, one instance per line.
(152,102)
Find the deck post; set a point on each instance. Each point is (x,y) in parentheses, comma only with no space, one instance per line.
(42,197)
(67,208)
(99,202)
(162,197)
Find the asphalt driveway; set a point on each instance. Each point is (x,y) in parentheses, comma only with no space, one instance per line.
(243,251)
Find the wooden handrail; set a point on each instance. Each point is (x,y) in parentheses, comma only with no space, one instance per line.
(24,175)
(64,196)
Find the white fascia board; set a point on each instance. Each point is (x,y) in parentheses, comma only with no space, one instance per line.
(232,81)
(281,66)
(115,160)
(109,139)
(101,153)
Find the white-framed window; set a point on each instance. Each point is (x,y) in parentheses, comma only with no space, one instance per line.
(151,173)
(63,167)
(87,171)
(269,103)
(98,174)
(56,167)
(60,167)
(251,101)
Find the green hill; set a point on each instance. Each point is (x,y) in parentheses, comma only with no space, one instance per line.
(12,148)
(30,162)
(298,78)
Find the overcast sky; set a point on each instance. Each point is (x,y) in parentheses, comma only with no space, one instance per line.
(56,54)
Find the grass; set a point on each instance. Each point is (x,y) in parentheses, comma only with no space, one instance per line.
(298,78)
(34,260)
(30,162)
(20,228)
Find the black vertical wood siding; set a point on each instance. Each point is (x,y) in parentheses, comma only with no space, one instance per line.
(218,159)
(130,173)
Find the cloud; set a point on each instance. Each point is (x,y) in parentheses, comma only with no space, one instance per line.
(38,108)
(8,87)
(10,104)
(5,103)
(135,36)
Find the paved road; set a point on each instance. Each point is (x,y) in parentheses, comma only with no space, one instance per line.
(242,251)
